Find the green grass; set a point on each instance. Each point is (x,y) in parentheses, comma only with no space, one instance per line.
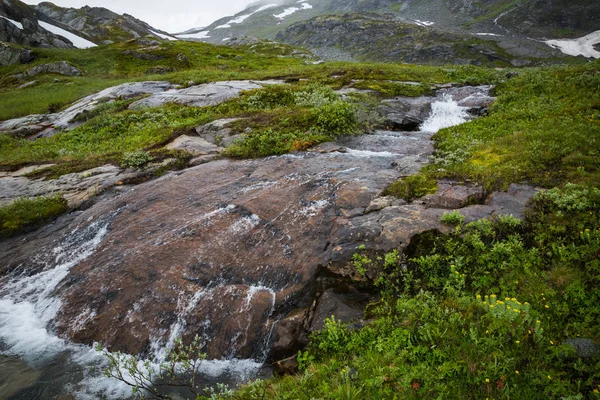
(105,66)
(26,214)
(544,128)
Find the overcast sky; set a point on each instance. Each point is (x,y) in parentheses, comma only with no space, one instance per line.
(171,15)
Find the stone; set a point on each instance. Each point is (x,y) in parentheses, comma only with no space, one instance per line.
(584,347)
(406,113)
(382,202)
(288,366)
(144,54)
(60,67)
(45,123)
(182,58)
(194,162)
(453,196)
(289,335)
(217,132)
(201,95)
(330,305)
(160,69)
(194,145)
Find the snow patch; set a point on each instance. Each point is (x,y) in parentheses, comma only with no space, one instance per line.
(242,18)
(487,34)
(77,41)
(291,10)
(226,39)
(584,46)
(15,23)
(199,35)
(424,23)
(160,35)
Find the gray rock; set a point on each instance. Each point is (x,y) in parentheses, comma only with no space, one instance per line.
(406,113)
(585,348)
(34,124)
(203,160)
(202,95)
(75,187)
(60,67)
(452,196)
(10,55)
(196,146)
(217,132)
(382,202)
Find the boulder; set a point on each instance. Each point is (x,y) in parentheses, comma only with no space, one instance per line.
(451,195)
(10,55)
(329,305)
(289,335)
(60,67)
(217,132)
(201,95)
(194,145)
(584,347)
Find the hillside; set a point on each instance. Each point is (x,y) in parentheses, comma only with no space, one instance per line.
(515,29)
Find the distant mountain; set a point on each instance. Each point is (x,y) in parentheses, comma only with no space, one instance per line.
(514,30)
(48,25)
(539,19)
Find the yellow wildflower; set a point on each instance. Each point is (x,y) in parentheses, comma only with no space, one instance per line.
(517,372)
(487,380)
(517,341)
(547,306)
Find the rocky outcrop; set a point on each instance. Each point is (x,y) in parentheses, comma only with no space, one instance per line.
(97,23)
(10,55)
(201,95)
(60,67)
(19,25)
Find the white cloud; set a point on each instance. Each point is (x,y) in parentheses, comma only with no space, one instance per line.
(172,16)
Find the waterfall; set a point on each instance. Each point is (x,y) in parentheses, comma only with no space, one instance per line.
(444,113)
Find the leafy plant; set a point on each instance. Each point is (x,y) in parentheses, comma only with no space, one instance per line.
(453,218)
(136,159)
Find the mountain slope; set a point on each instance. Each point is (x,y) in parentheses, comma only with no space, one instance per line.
(518,27)
(47,25)
(97,23)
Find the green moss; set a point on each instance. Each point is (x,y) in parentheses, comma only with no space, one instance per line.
(412,187)
(26,214)
(393,89)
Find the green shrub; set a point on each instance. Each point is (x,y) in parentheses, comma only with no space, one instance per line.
(24,213)
(453,218)
(136,159)
(333,119)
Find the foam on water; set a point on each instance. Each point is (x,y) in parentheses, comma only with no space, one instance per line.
(28,305)
(445,113)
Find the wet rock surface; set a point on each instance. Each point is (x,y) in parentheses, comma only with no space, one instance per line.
(227,249)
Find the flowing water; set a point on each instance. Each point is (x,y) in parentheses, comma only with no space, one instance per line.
(30,305)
